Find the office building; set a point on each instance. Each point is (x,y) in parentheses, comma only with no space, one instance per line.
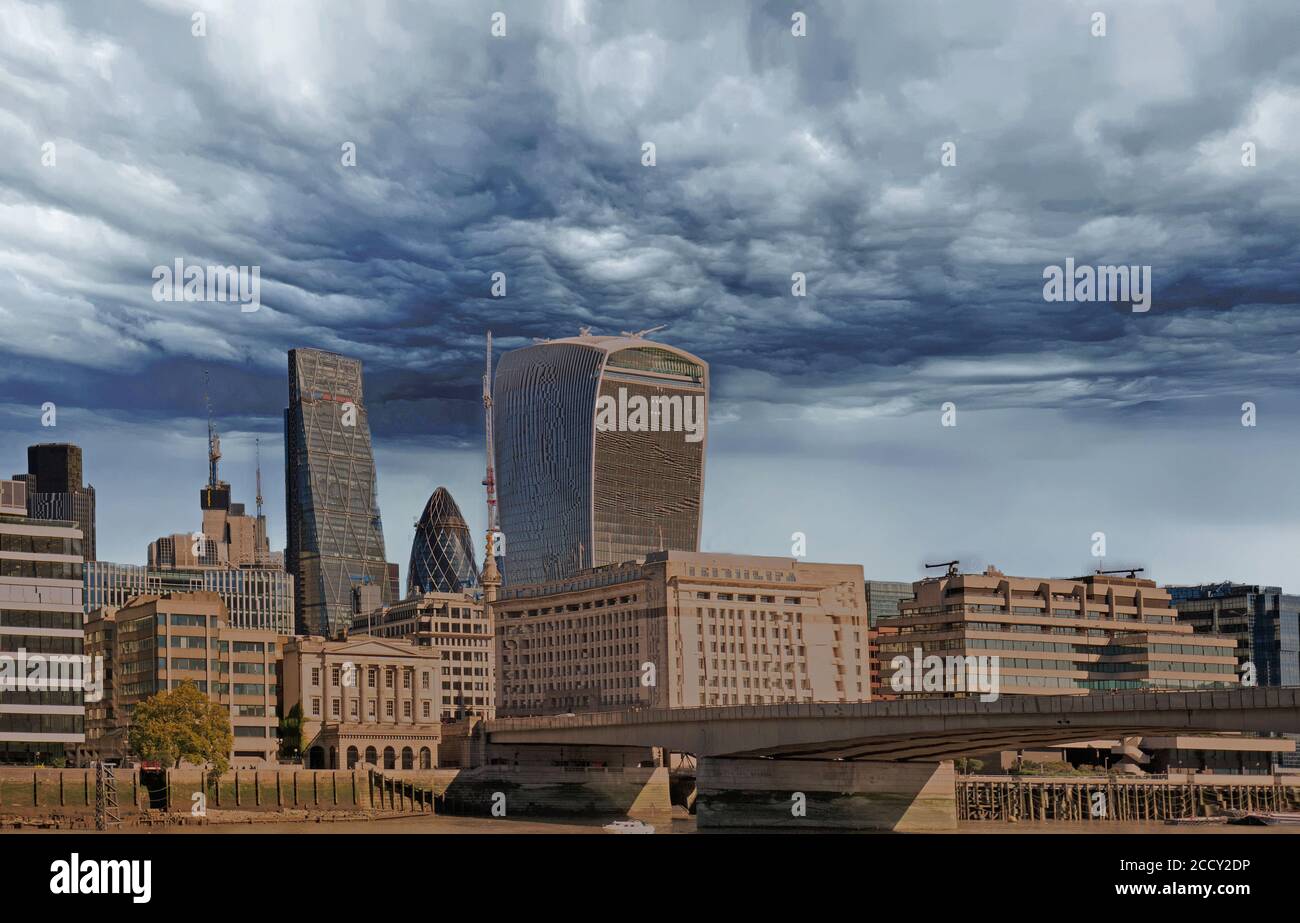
(680,630)
(365,699)
(335,536)
(43,675)
(442,553)
(105,735)
(55,491)
(460,628)
(1264,621)
(1057,636)
(159,642)
(599,451)
(884,597)
(256,598)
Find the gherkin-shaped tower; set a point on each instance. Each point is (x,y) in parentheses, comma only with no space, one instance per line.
(442,555)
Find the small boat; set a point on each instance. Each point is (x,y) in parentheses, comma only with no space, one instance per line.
(628,826)
(1265,819)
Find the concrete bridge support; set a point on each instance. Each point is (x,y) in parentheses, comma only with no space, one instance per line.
(828,794)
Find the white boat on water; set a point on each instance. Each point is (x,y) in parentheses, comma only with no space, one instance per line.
(628,826)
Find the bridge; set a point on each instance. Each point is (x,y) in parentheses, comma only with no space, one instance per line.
(912,729)
(875,764)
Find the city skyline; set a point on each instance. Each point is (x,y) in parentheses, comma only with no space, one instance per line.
(924,282)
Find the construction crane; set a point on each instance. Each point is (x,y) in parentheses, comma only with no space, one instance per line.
(951,565)
(214,441)
(1132,572)
(491,577)
(641,334)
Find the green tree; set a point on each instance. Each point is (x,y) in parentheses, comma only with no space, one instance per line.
(291,732)
(182,724)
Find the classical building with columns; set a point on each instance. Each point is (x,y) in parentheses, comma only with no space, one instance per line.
(365,700)
(459,627)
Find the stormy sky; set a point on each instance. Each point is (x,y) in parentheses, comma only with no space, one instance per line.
(127,142)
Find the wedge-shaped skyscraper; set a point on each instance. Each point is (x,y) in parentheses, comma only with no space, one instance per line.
(442,554)
(335,537)
(600,444)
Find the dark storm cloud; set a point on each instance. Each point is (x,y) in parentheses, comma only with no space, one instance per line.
(776,154)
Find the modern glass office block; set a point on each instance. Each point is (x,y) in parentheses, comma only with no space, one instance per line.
(600,446)
(335,536)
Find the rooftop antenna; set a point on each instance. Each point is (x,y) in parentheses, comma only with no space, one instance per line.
(214,441)
(491,577)
(641,334)
(951,565)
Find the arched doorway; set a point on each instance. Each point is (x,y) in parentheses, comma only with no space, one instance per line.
(408,758)
(390,758)
(353,756)
(426,758)
(372,756)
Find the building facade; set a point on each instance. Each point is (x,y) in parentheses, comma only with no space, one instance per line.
(1058,637)
(1264,621)
(256,598)
(599,453)
(365,700)
(55,489)
(460,628)
(158,642)
(682,630)
(442,553)
(335,536)
(884,598)
(42,708)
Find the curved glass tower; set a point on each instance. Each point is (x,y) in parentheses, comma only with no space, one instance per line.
(442,554)
(600,445)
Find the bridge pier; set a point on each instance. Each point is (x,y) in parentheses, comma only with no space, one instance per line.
(912,796)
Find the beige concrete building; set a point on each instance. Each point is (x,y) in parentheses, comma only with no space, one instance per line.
(366,699)
(680,630)
(41,720)
(459,628)
(155,643)
(1058,637)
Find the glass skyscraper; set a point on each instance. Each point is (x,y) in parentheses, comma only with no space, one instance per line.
(600,444)
(442,554)
(335,537)
(1265,623)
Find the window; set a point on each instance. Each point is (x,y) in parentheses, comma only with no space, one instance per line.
(424,681)
(336,708)
(315,676)
(426,709)
(334,676)
(406,709)
(315,706)
(388,709)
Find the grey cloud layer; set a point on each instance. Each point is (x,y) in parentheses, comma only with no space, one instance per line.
(775,154)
